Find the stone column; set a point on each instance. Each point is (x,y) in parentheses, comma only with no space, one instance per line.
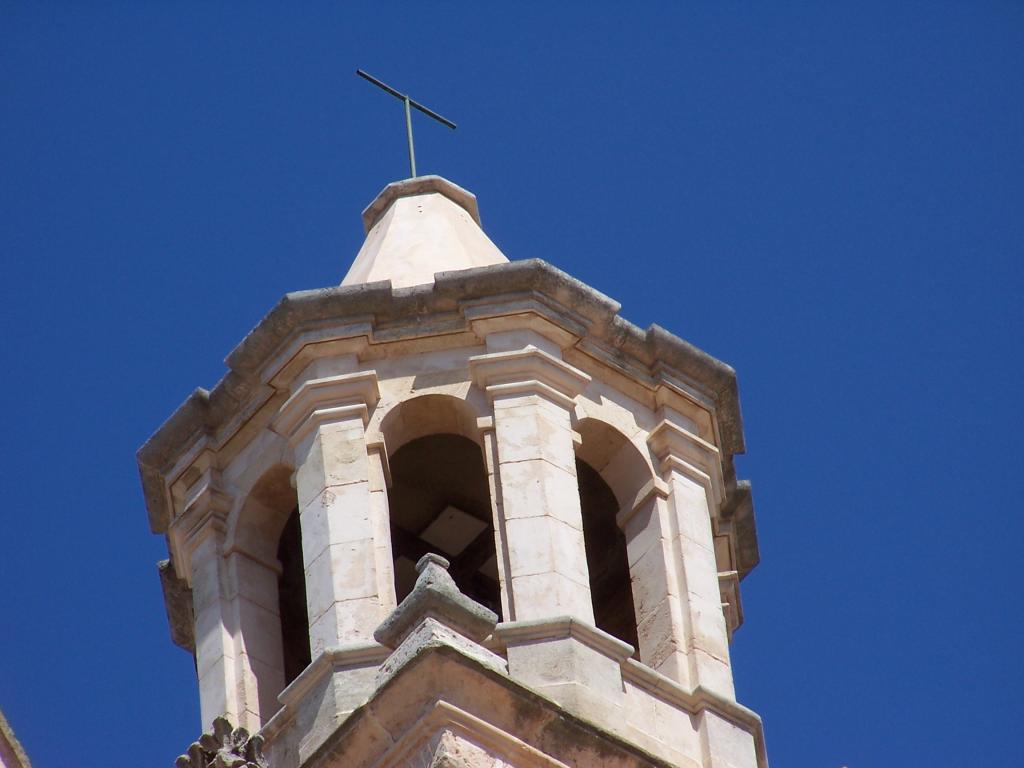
(197,537)
(325,421)
(253,587)
(681,522)
(380,481)
(490,443)
(532,394)
(654,569)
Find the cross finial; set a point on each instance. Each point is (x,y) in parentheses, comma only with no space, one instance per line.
(409,105)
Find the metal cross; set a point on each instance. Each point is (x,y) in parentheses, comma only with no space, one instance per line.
(409,104)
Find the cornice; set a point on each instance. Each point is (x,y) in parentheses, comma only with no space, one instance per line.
(680,450)
(528,371)
(319,401)
(420,185)
(205,514)
(178,604)
(562,627)
(696,701)
(739,510)
(650,356)
(331,659)
(442,707)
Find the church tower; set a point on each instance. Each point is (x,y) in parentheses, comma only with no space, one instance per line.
(458,512)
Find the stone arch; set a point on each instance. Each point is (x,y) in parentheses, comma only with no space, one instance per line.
(439,494)
(432,414)
(611,473)
(615,457)
(264,558)
(262,515)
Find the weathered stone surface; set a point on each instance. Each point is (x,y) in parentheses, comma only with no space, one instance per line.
(436,596)
(442,690)
(543,375)
(449,750)
(585,312)
(420,185)
(178,603)
(418,227)
(224,747)
(739,508)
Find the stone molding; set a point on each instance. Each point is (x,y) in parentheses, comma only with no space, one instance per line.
(445,716)
(311,344)
(680,450)
(653,488)
(378,445)
(237,549)
(443,713)
(178,604)
(483,322)
(205,514)
(436,596)
(420,185)
(697,701)
(528,371)
(643,676)
(330,660)
(539,731)
(322,401)
(531,286)
(729,588)
(738,509)
(436,613)
(563,627)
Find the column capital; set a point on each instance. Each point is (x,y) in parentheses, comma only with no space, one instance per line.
(205,513)
(322,401)
(655,488)
(528,371)
(679,450)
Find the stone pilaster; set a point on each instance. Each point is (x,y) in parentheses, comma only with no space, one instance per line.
(253,587)
(532,393)
(655,575)
(490,445)
(339,506)
(197,537)
(681,522)
(380,481)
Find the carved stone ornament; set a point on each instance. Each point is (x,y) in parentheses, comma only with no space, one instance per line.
(226,747)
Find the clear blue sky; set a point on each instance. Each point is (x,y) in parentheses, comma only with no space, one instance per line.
(827,196)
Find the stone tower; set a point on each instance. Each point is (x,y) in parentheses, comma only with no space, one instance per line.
(458,512)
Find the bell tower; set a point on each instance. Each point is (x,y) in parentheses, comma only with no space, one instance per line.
(457,511)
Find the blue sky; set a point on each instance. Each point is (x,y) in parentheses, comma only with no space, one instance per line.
(826,196)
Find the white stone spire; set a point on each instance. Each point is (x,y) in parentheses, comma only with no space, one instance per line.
(417,227)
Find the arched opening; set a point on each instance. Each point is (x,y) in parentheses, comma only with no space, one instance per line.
(291,600)
(439,502)
(439,497)
(610,588)
(265,550)
(611,472)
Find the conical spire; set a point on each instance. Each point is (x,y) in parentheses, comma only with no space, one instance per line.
(418,227)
